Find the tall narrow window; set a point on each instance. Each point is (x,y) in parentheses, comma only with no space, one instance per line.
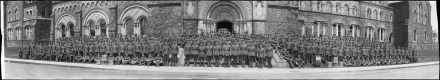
(63,30)
(337,8)
(103,27)
(92,28)
(129,27)
(71,30)
(426,36)
(43,11)
(391,17)
(143,23)
(369,13)
(415,35)
(416,18)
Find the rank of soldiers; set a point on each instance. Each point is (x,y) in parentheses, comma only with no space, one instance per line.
(220,50)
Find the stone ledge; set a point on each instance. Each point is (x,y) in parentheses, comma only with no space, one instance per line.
(220,69)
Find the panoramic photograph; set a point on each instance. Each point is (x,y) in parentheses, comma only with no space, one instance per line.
(219,39)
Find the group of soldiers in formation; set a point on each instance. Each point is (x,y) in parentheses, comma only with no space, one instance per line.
(220,50)
(351,51)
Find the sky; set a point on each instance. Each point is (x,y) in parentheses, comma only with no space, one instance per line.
(434,17)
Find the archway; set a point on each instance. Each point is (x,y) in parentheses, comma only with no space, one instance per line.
(225,25)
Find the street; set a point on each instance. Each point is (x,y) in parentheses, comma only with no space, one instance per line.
(36,71)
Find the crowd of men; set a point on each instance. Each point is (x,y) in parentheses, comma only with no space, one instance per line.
(220,50)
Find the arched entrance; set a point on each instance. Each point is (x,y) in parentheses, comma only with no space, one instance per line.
(225,25)
(223,15)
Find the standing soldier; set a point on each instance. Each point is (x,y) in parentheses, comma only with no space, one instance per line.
(269,55)
(195,52)
(251,54)
(209,52)
(217,53)
(234,52)
(166,52)
(243,52)
(174,53)
(201,55)
(130,51)
(188,50)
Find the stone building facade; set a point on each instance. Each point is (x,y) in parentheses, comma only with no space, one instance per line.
(413,26)
(27,21)
(368,19)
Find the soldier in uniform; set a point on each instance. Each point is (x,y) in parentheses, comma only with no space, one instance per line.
(251,54)
(195,52)
(174,53)
(201,55)
(217,52)
(166,53)
(269,54)
(243,52)
(209,52)
(188,50)
(234,52)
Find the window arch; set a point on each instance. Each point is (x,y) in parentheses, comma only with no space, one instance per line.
(415,35)
(143,26)
(416,17)
(354,11)
(63,30)
(17,14)
(380,15)
(338,6)
(43,11)
(369,13)
(129,26)
(103,27)
(91,28)
(71,30)
(426,19)
(426,36)
(391,17)
(375,14)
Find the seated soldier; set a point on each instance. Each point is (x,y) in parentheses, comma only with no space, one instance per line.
(143,59)
(134,60)
(126,59)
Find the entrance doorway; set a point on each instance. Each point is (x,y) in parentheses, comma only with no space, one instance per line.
(225,25)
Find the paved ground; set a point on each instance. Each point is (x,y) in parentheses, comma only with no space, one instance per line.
(20,70)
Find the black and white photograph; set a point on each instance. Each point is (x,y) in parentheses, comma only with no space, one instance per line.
(219,39)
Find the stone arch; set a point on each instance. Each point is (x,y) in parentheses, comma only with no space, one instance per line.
(245,7)
(66,18)
(95,16)
(135,12)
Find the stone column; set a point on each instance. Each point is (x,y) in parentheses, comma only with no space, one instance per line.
(199,28)
(249,28)
(337,29)
(313,27)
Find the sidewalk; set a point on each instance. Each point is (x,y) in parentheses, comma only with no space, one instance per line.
(219,69)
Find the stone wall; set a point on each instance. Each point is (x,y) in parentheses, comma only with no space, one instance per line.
(281,21)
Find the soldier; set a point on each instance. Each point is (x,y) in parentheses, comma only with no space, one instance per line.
(195,52)
(209,52)
(269,54)
(201,55)
(227,54)
(166,52)
(188,50)
(234,52)
(217,52)
(243,52)
(174,53)
(251,54)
